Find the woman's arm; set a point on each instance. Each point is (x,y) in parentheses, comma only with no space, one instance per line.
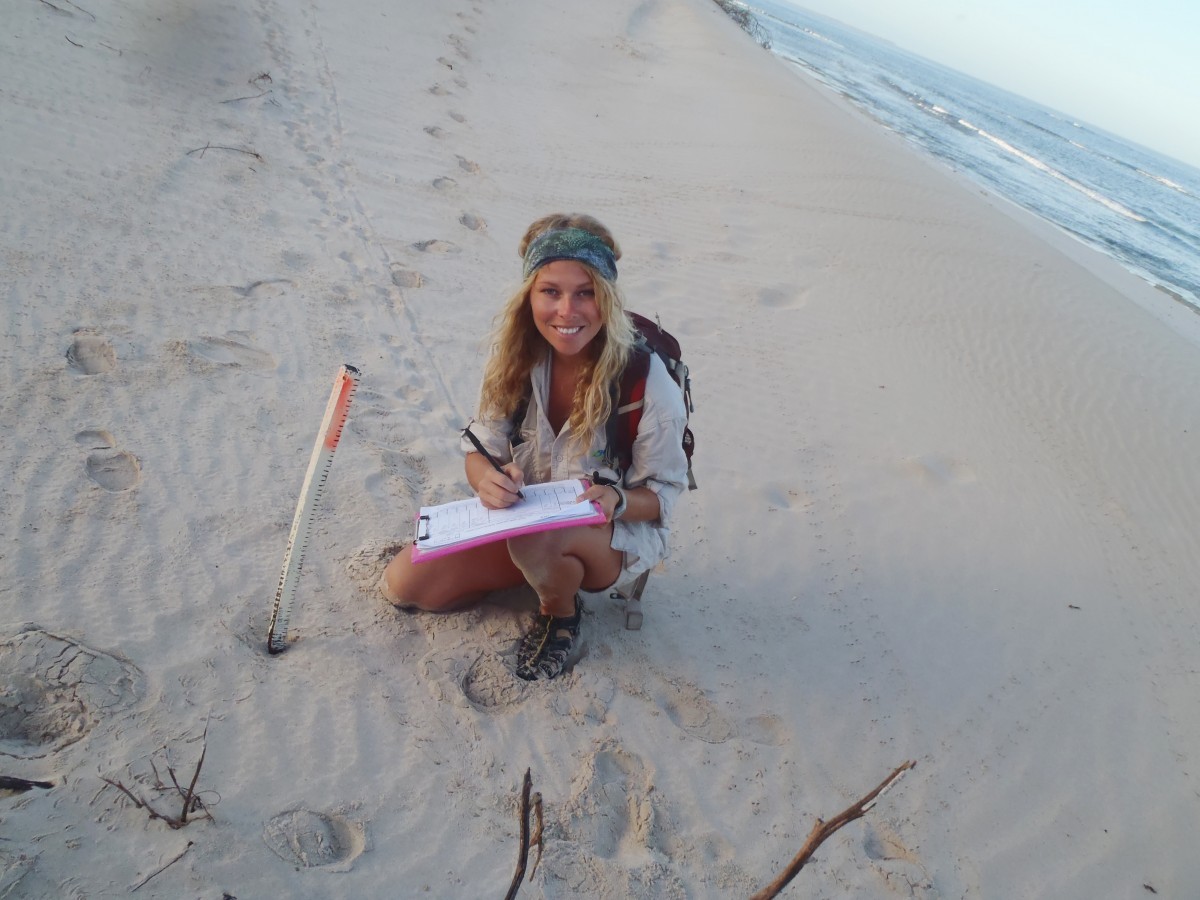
(641,502)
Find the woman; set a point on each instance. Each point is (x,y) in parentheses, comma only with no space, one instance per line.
(560,345)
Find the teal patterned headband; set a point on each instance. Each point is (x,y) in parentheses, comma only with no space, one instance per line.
(571,243)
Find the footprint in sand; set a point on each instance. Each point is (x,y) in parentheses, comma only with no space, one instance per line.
(610,808)
(114,470)
(781,298)
(435,132)
(768,730)
(458,117)
(490,686)
(467,166)
(691,711)
(898,867)
(445,62)
(406,278)
(438,91)
(473,677)
(444,183)
(315,840)
(472,221)
(233,353)
(459,43)
(437,246)
(91,353)
(53,691)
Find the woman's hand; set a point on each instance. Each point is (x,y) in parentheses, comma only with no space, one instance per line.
(605,496)
(498,490)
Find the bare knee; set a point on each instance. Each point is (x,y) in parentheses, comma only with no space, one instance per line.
(398,584)
(430,586)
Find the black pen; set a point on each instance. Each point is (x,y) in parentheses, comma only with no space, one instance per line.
(495,465)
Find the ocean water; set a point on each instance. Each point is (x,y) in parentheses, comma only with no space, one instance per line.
(1138,206)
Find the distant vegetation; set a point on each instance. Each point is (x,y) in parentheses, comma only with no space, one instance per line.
(742,15)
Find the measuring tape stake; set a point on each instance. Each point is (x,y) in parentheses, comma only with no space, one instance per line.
(336,411)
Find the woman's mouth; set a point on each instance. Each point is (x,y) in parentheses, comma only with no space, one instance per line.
(574,329)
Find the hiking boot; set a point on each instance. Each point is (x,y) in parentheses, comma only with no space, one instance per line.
(544,649)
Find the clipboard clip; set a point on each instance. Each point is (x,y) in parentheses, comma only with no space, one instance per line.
(425,536)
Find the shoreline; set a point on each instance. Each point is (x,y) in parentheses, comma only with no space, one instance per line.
(807,70)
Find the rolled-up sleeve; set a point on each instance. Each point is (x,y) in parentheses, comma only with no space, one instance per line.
(494,436)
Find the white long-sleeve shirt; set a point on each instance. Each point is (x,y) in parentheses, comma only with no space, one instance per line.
(659,462)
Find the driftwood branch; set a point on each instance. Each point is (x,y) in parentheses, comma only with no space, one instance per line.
(822,830)
(523,856)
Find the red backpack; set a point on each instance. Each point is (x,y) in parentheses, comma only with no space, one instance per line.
(623,423)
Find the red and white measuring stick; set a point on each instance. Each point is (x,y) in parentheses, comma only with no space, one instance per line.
(314,482)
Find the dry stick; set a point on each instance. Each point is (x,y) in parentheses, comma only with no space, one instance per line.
(523,857)
(69,41)
(823,830)
(163,867)
(201,151)
(537,840)
(251,97)
(189,796)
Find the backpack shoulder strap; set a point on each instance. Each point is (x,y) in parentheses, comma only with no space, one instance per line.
(630,399)
(518,417)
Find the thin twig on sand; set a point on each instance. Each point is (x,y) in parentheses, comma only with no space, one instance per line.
(207,147)
(523,856)
(163,867)
(822,830)
(250,97)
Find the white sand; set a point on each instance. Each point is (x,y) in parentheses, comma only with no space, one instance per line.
(948,467)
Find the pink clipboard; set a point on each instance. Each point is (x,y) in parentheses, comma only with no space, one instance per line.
(452,527)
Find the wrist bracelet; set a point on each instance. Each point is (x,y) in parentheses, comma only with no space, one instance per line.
(622,502)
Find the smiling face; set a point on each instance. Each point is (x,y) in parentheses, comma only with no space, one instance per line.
(563,302)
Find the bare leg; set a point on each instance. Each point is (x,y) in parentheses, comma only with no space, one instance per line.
(556,563)
(559,563)
(449,582)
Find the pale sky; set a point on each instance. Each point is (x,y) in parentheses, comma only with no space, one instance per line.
(1131,67)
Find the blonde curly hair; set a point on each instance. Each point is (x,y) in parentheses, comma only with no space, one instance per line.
(517,346)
